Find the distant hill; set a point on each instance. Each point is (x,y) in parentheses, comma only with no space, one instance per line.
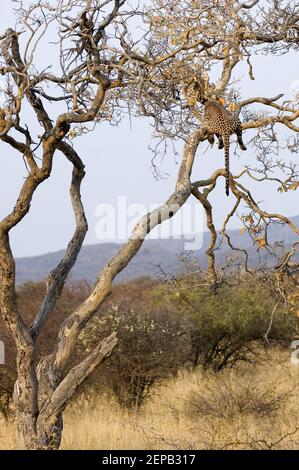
(152,255)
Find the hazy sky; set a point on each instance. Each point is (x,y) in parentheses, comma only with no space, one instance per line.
(118,164)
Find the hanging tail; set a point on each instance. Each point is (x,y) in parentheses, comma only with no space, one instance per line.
(226,159)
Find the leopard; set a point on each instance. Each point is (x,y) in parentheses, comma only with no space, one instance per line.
(222,123)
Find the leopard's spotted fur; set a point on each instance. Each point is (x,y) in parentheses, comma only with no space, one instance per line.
(222,123)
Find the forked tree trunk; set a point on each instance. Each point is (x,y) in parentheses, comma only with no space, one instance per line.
(41,394)
(33,439)
(41,391)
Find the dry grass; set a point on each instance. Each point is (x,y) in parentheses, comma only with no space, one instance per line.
(8,436)
(196,411)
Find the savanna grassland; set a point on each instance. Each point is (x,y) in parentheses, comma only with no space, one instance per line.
(250,407)
(194,369)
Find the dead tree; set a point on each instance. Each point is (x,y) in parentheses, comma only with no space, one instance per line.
(96,68)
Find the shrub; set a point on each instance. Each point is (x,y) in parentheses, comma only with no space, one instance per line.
(226,325)
(226,397)
(153,345)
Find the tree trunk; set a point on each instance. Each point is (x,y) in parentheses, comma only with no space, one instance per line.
(32,439)
(42,393)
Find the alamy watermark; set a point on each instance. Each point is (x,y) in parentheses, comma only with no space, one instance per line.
(295,90)
(295,353)
(122,221)
(3,87)
(2,353)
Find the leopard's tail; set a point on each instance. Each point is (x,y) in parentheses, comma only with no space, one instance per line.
(226,159)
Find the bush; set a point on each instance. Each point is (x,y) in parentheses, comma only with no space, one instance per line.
(226,325)
(226,397)
(153,345)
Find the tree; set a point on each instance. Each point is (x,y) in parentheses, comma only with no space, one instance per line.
(96,67)
(213,40)
(162,74)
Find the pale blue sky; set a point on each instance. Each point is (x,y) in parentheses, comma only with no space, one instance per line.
(118,163)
